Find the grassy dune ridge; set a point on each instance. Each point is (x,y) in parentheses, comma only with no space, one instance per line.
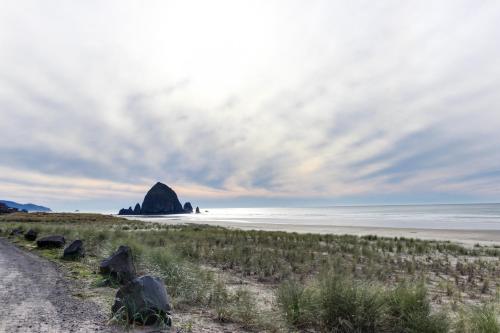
(318,283)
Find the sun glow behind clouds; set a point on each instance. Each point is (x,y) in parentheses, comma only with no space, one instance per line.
(249,98)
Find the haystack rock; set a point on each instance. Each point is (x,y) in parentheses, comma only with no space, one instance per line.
(161,199)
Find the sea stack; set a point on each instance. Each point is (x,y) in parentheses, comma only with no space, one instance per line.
(137,209)
(161,199)
(188,208)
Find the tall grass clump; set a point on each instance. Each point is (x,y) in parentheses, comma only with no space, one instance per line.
(337,303)
(348,306)
(297,303)
(478,319)
(410,311)
(188,283)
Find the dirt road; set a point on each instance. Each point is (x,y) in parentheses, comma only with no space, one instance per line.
(35,297)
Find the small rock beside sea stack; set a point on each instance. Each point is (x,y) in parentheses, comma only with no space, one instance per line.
(188,208)
(137,209)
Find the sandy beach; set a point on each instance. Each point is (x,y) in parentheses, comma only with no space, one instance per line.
(469,237)
(463,236)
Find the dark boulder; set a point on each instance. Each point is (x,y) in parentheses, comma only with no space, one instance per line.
(144,300)
(137,209)
(51,242)
(161,199)
(74,250)
(119,265)
(197,210)
(16,232)
(188,208)
(31,235)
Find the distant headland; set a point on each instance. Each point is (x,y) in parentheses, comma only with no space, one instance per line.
(160,200)
(29,207)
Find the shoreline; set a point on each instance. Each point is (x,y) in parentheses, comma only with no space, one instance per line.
(464,236)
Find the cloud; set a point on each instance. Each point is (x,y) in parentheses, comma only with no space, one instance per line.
(249,99)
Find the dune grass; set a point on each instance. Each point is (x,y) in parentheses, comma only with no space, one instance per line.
(324,283)
(335,303)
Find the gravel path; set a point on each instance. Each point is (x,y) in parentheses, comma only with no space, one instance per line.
(35,297)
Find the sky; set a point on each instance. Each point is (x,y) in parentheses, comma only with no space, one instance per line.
(249,103)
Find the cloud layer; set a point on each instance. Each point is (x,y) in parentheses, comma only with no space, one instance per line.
(249,99)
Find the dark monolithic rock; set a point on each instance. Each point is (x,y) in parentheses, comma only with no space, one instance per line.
(188,208)
(31,235)
(74,250)
(161,199)
(197,210)
(51,242)
(137,209)
(144,300)
(119,265)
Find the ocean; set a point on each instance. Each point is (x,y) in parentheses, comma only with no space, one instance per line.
(446,216)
